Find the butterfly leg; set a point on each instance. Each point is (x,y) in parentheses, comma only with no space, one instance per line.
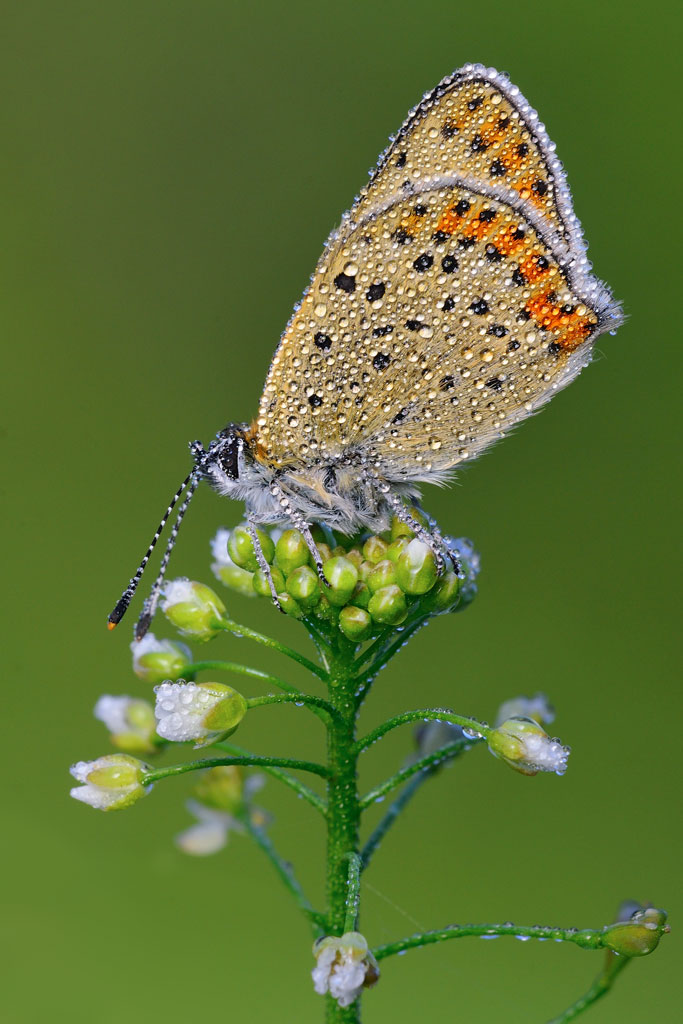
(438,536)
(263,564)
(298,521)
(432,537)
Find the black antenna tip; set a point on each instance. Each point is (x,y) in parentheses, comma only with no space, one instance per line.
(143,624)
(120,609)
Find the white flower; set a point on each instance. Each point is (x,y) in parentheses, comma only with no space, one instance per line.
(537,707)
(225,570)
(110,782)
(130,722)
(344,966)
(211,832)
(526,747)
(197,711)
(155,660)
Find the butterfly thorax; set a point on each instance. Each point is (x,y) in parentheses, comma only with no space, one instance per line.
(344,490)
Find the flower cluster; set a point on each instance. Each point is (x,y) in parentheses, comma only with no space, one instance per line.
(371,581)
(344,967)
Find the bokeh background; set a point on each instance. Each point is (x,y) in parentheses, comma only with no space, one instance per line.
(170,171)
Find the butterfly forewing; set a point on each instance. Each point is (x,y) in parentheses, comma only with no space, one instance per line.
(446,308)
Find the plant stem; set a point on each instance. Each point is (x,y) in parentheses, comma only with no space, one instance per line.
(429,714)
(286,873)
(266,641)
(343,808)
(588,938)
(250,760)
(439,757)
(279,773)
(599,988)
(300,699)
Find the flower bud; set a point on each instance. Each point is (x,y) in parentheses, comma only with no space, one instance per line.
(210,833)
(639,935)
(111,782)
(221,788)
(241,548)
(291,551)
(416,568)
(375,549)
(355,555)
(526,747)
(204,712)
(342,576)
(382,575)
(355,623)
(388,606)
(225,570)
(397,547)
(155,660)
(304,586)
(130,722)
(444,595)
(261,585)
(344,966)
(290,606)
(399,529)
(193,608)
(361,595)
(537,707)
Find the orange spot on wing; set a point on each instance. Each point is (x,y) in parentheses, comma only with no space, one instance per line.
(572,327)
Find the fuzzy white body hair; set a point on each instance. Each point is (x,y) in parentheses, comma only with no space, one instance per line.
(337,493)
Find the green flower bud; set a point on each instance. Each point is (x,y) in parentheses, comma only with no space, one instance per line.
(241,548)
(640,935)
(291,551)
(355,555)
(375,549)
(382,575)
(444,595)
(416,571)
(364,570)
(388,606)
(260,584)
(290,606)
(361,595)
(304,586)
(221,788)
(397,547)
(399,529)
(193,608)
(355,623)
(225,570)
(325,552)
(110,783)
(342,576)
(155,660)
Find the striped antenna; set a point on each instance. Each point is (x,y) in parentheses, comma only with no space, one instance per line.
(121,606)
(150,605)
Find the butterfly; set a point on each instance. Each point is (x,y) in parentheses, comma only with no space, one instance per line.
(454,299)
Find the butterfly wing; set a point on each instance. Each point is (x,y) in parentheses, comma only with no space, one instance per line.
(448,305)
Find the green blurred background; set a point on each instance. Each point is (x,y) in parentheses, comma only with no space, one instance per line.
(170,172)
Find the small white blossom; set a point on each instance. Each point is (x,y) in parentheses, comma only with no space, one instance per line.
(344,966)
(155,660)
(110,782)
(211,832)
(130,723)
(197,711)
(537,707)
(526,747)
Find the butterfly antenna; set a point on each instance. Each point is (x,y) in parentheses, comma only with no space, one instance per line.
(150,605)
(121,606)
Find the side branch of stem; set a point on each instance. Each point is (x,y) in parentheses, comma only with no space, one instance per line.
(588,938)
